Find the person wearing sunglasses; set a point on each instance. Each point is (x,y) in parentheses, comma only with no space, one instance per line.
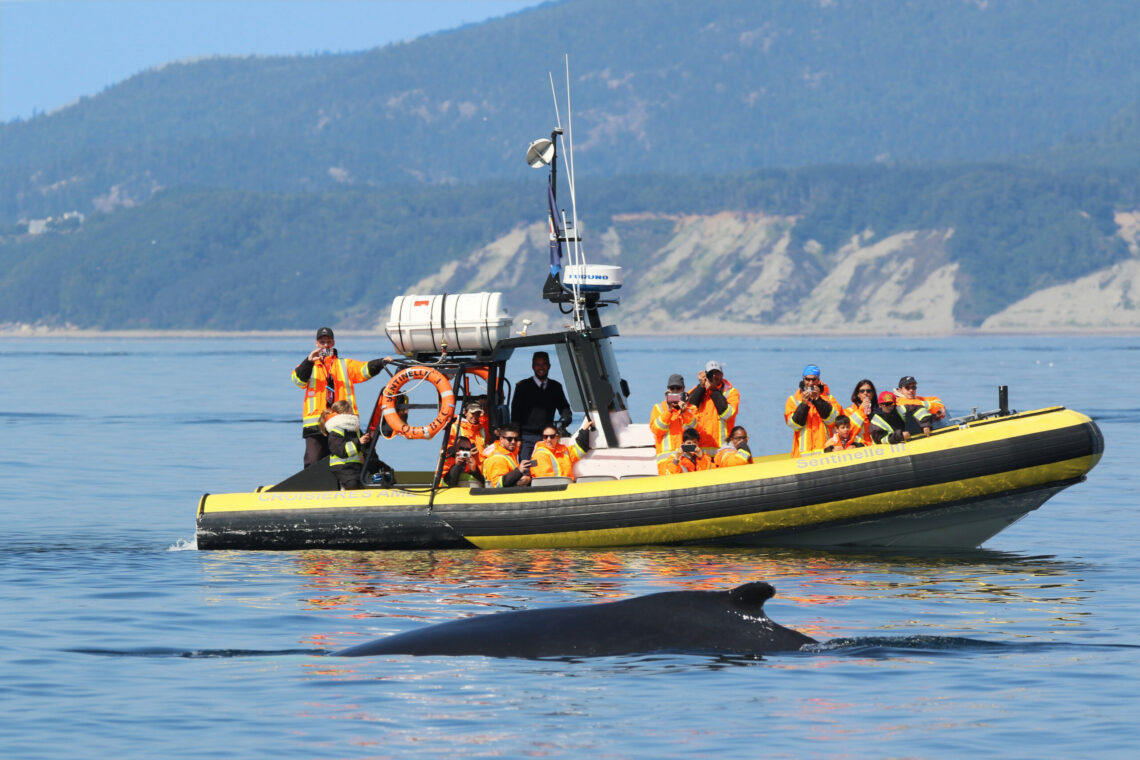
(736,452)
(862,409)
(553,459)
(502,468)
(810,412)
(906,395)
(889,423)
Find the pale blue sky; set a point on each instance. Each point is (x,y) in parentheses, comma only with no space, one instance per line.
(52,51)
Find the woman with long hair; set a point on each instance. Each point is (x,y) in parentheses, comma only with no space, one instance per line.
(862,409)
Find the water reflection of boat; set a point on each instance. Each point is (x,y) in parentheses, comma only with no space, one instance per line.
(955,488)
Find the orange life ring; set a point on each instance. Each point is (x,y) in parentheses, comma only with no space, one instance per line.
(392,390)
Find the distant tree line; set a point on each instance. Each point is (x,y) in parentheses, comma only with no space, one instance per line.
(230,259)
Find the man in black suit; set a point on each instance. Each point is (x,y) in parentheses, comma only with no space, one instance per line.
(535,401)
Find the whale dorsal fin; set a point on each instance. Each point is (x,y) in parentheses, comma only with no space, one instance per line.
(751,596)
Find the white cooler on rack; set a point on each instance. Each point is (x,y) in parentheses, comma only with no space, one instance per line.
(462,322)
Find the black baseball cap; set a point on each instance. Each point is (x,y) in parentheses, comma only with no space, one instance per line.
(906,380)
(325,332)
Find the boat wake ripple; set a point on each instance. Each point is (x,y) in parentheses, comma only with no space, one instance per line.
(895,646)
(197,654)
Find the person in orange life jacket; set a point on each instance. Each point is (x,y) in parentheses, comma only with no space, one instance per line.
(810,412)
(470,426)
(845,436)
(736,452)
(863,400)
(326,379)
(688,458)
(346,444)
(502,468)
(889,422)
(906,395)
(717,403)
(553,458)
(461,457)
(671,417)
(535,401)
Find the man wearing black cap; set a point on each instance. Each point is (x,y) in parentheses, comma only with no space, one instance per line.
(669,419)
(919,407)
(327,378)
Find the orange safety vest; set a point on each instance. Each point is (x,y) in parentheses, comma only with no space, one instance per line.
(668,425)
(714,428)
(838,445)
(473,433)
(555,461)
(345,373)
(703,462)
(860,424)
(932,403)
(730,456)
(450,461)
(499,462)
(813,435)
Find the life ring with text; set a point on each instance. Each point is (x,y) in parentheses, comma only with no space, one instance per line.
(398,424)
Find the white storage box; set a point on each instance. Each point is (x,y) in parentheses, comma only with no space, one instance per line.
(597,277)
(463,321)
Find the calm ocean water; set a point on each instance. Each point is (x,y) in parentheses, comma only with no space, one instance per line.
(118,639)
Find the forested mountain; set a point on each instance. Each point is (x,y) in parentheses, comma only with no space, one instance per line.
(659,86)
(233,259)
(964,154)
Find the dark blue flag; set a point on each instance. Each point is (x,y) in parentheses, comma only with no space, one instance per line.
(555,233)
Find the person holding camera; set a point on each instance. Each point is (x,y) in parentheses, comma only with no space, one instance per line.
(688,458)
(471,425)
(327,379)
(717,403)
(461,458)
(811,412)
(502,468)
(669,419)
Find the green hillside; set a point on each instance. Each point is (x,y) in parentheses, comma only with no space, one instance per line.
(244,260)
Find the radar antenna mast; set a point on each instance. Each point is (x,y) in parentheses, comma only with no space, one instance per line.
(572,289)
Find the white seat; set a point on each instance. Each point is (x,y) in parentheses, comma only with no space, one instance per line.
(552,480)
(594,478)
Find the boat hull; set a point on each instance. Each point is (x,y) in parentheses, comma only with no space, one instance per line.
(955,489)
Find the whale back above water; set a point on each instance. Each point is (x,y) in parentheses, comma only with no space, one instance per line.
(721,622)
